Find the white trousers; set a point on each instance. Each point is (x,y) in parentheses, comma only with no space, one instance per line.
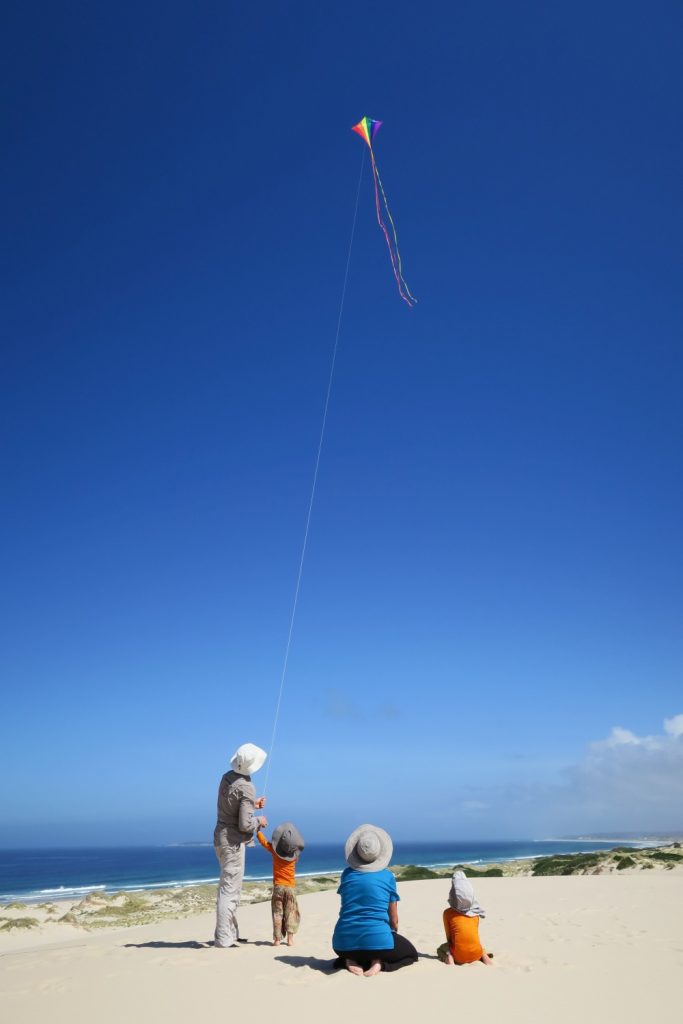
(231,860)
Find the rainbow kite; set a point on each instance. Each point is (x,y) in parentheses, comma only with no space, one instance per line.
(367,129)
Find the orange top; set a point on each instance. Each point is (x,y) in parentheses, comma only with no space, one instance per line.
(463,937)
(283,870)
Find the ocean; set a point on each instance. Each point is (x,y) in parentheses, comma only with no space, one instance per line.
(41,875)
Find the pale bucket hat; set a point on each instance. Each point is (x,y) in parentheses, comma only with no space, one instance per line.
(287,841)
(462,898)
(368,848)
(247,759)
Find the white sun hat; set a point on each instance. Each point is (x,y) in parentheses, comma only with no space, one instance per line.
(368,848)
(247,759)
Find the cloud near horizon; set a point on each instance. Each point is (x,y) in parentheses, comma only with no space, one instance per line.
(673,728)
(624,782)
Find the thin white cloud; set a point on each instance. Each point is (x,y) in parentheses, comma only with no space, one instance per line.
(473,806)
(624,782)
(618,737)
(674,726)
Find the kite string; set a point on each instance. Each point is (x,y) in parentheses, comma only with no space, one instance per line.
(314,483)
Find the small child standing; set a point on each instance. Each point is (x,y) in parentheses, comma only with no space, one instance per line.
(287,843)
(461,922)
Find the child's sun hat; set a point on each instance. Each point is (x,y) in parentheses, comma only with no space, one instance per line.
(462,898)
(287,841)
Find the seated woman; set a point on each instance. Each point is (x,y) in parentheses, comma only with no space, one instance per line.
(366,938)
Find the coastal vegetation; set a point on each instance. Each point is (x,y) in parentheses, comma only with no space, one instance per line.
(125,909)
(571,864)
(414,873)
(491,872)
(12,923)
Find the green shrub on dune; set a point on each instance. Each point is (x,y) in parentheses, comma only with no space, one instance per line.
(625,862)
(567,864)
(471,872)
(10,923)
(413,873)
(68,918)
(131,905)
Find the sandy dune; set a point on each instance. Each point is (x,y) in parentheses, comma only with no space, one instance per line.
(595,948)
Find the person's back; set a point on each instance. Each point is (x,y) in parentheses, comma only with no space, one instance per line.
(285,850)
(463,936)
(235,809)
(284,871)
(366,938)
(236,823)
(461,924)
(364,916)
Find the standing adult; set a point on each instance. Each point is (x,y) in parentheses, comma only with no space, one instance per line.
(235,827)
(366,938)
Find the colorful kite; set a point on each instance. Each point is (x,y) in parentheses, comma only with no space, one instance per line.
(367,129)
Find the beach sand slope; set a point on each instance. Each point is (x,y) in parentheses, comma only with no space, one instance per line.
(596,948)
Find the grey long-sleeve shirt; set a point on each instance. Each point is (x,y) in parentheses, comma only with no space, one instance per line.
(236,818)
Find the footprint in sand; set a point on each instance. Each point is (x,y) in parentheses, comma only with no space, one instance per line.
(51,985)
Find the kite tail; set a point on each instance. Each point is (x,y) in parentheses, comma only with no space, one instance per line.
(394,252)
(381,223)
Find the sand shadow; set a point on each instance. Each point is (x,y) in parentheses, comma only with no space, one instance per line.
(190,944)
(314,962)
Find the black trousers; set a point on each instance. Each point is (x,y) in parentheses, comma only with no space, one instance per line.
(403,954)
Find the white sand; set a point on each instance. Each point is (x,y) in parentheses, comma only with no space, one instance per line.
(589,948)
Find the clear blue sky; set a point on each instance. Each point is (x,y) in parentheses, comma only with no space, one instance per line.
(494,577)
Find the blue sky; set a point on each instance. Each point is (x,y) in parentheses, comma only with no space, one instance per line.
(493,578)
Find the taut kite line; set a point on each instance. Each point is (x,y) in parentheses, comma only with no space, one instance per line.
(367,128)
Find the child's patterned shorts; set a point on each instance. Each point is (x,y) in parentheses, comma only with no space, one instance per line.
(286,916)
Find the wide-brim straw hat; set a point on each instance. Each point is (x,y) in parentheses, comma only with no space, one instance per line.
(368,848)
(287,841)
(248,759)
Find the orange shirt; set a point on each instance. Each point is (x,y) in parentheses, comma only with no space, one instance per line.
(283,870)
(463,936)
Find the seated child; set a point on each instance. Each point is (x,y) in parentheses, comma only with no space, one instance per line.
(285,848)
(461,921)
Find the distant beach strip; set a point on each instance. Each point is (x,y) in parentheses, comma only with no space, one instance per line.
(35,876)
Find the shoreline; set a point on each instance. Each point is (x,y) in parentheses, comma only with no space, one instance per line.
(96,909)
(71,894)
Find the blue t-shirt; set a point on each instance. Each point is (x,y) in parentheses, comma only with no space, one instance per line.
(364,916)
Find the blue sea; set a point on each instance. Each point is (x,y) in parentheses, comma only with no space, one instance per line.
(40,875)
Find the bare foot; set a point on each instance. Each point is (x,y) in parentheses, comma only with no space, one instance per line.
(374,968)
(290,940)
(449,960)
(353,967)
(276,942)
(486,959)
